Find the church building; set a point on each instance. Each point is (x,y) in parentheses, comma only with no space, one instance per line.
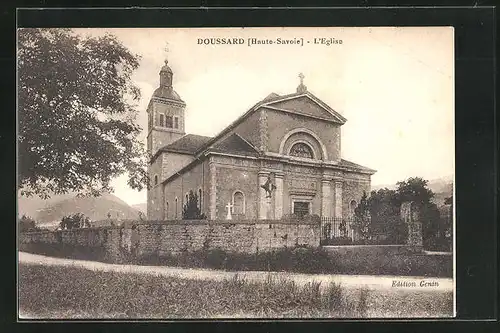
(281,157)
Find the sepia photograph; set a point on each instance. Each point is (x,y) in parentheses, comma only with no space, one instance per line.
(236,173)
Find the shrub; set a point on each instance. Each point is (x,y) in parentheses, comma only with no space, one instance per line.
(27,224)
(74,221)
(191,209)
(290,217)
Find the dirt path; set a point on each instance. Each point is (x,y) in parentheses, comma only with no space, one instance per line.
(372,282)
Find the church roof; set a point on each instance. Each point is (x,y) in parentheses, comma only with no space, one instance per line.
(357,167)
(269,99)
(234,144)
(167,92)
(188,144)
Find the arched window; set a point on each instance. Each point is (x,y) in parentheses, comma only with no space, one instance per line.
(168,121)
(162,120)
(301,149)
(176,205)
(238,203)
(166,210)
(156,179)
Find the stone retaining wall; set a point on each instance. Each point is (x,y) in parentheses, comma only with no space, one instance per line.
(171,237)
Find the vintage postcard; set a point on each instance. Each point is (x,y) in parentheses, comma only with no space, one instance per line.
(236,173)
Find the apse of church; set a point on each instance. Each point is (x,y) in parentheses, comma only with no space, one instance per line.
(281,157)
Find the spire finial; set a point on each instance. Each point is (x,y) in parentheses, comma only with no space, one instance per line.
(166,61)
(301,88)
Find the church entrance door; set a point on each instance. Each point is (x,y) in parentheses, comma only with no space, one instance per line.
(300,208)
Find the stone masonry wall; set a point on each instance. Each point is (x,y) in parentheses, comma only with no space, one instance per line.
(171,237)
(237,236)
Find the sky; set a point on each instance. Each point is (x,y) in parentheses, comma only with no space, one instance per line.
(394,85)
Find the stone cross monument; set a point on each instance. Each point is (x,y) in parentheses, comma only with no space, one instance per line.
(229,207)
(410,214)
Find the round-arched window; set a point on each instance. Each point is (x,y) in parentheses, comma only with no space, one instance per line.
(238,203)
(301,149)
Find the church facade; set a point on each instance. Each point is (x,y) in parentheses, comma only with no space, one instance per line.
(281,157)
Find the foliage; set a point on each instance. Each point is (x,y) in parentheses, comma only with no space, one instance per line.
(99,294)
(362,219)
(77,110)
(27,224)
(74,221)
(368,261)
(380,213)
(290,217)
(414,189)
(191,209)
(433,236)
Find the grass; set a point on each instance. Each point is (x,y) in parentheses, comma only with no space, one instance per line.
(69,292)
(297,259)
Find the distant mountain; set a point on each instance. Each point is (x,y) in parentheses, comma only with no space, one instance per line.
(31,206)
(442,188)
(47,212)
(142,207)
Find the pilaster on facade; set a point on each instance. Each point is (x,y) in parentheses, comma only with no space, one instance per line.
(212,189)
(326,197)
(338,198)
(263,130)
(263,204)
(278,196)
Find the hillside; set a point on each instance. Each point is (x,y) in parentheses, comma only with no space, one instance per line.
(442,188)
(96,208)
(31,206)
(142,207)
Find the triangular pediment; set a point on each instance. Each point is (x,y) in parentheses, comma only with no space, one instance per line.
(306,104)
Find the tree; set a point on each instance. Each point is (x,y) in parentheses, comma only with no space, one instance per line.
(74,221)
(414,189)
(362,218)
(191,209)
(384,206)
(27,224)
(76,109)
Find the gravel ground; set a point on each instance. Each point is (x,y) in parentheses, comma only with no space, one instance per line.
(370,282)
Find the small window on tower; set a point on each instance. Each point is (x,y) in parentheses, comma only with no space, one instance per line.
(168,122)
(162,120)
(156,179)
(176,122)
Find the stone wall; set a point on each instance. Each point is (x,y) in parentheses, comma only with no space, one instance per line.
(109,238)
(171,237)
(195,179)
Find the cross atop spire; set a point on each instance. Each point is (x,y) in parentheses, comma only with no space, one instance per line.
(301,88)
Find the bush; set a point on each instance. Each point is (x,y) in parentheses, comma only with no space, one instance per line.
(74,221)
(27,224)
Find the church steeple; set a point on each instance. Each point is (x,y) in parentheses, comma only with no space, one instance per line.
(166,75)
(301,87)
(165,113)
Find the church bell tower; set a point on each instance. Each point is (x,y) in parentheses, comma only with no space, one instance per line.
(165,113)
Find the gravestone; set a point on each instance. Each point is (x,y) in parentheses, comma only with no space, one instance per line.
(410,214)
